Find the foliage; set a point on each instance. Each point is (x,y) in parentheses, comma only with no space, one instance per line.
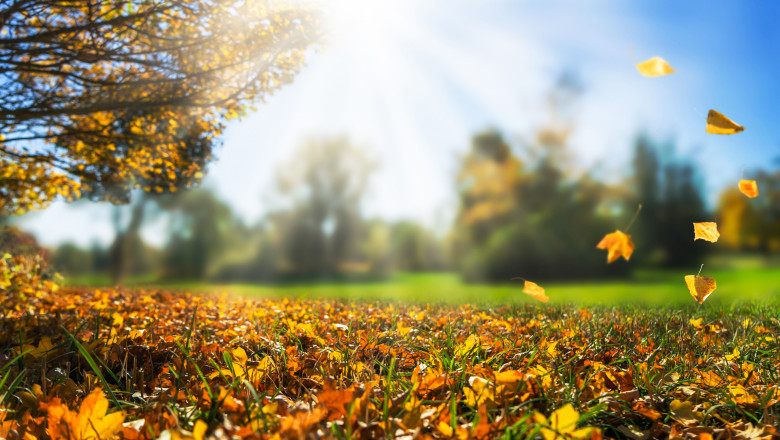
(103,96)
(222,367)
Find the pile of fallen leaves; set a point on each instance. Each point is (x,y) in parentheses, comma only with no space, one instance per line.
(99,364)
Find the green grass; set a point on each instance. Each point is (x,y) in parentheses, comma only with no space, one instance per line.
(652,287)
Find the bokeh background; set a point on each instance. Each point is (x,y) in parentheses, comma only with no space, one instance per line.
(453,144)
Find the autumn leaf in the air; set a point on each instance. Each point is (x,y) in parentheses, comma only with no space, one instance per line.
(90,423)
(748,188)
(655,66)
(618,245)
(719,124)
(533,290)
(700,287)
(706,231)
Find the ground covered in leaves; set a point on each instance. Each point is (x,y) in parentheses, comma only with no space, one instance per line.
(89,364)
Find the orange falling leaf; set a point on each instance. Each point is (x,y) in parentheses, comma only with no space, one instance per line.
(618,244)
(535,291)
(700,286)
(748,188)
(655,66)
(719,124)
(706,231)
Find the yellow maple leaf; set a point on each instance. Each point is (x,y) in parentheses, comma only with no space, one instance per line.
(706,231)
(655,66)
(719,124)
(617,244)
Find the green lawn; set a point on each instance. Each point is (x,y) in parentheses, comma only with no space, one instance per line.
(749,284)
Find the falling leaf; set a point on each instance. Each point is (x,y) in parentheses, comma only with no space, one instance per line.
(700,286)
(748,188)
(719,124)
(535,291)
(706,231)
(618,244)
(655,66)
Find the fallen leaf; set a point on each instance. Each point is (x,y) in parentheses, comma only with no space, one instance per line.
(719,124)
(535,291)
(706,231)
(655,66)
(748,188)
(683,412)
(618,244)
(700,286)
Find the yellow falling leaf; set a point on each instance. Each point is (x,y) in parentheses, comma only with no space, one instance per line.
(655,66)
(719,124)
(535,291)
(618,244)
(706,231)
(700,286)
(748,188)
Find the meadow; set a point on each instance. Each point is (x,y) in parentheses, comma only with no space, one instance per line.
(748,282)
(633,359)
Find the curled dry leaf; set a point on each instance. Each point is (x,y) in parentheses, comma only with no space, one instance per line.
(535,291)
(617,244)
(706,231)
(748,188)
(700,286)
(719,124)
(655,66)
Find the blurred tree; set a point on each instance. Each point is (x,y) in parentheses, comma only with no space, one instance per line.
(415,249)
(70,260)
(99,91)
(200,230)
(671,198)
(536,219)
(323,186)
(752,224)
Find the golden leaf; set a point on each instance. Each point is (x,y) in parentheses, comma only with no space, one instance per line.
(618,244)
(706,231)
(748,188)
(655,66)
(535,291)
(700,286)
(719,124)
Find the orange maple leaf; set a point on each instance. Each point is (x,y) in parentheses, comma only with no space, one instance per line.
(748,188)
(700,286)
(706,231)
(618,244)
(90,423)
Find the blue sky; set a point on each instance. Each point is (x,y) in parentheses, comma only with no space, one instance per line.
(413,80)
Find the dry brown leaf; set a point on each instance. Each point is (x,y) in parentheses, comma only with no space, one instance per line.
(719,124)
(700,286)
(655,66)
(706,231)
(618,244)
(748,188)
